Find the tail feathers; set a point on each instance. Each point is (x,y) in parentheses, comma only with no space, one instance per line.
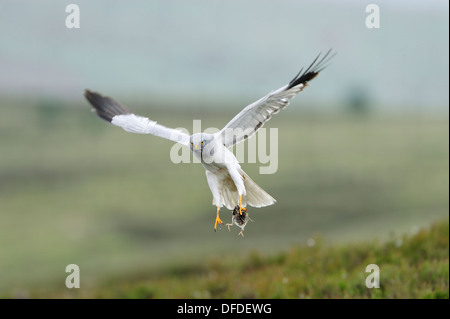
(255,196)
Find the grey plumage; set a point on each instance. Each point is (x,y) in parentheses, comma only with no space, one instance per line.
(245,124)
(229,184)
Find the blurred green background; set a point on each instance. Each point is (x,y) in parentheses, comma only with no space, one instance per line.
(370,158)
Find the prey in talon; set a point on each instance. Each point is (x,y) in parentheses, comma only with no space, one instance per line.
(240,219)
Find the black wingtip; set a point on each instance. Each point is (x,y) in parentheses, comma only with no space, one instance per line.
(313,70)
(89,95)
(104,106)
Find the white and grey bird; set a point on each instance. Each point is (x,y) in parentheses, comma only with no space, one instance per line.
(230,185)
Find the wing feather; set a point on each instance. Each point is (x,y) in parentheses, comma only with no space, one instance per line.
(254,116)
(118,115)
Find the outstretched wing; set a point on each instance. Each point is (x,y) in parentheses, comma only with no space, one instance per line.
(116,114)
(255,115)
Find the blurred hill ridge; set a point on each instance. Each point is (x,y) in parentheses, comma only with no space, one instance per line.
(208,50)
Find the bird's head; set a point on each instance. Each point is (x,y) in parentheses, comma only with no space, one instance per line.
(198,141)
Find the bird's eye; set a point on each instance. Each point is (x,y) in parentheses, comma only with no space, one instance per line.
(203,142)
(192,143)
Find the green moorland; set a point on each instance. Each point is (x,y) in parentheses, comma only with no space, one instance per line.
(413,266)
(75,190)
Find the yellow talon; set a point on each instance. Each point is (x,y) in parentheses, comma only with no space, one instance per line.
(218,220)
(241,209)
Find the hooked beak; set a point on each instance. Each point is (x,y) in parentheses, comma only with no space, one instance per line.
(196,147)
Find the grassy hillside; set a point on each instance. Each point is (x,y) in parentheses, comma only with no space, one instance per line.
(413,266)
(74,189)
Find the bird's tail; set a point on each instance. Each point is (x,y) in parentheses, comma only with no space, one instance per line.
(255,196)
(229,197)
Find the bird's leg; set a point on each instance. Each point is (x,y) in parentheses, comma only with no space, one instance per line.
(233,218)
(228,225)
(241,209)
(218,220)
(243,226)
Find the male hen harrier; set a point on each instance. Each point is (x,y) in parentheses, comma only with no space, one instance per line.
(230,185)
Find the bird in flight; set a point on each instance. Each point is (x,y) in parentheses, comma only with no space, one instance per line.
(230,185)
